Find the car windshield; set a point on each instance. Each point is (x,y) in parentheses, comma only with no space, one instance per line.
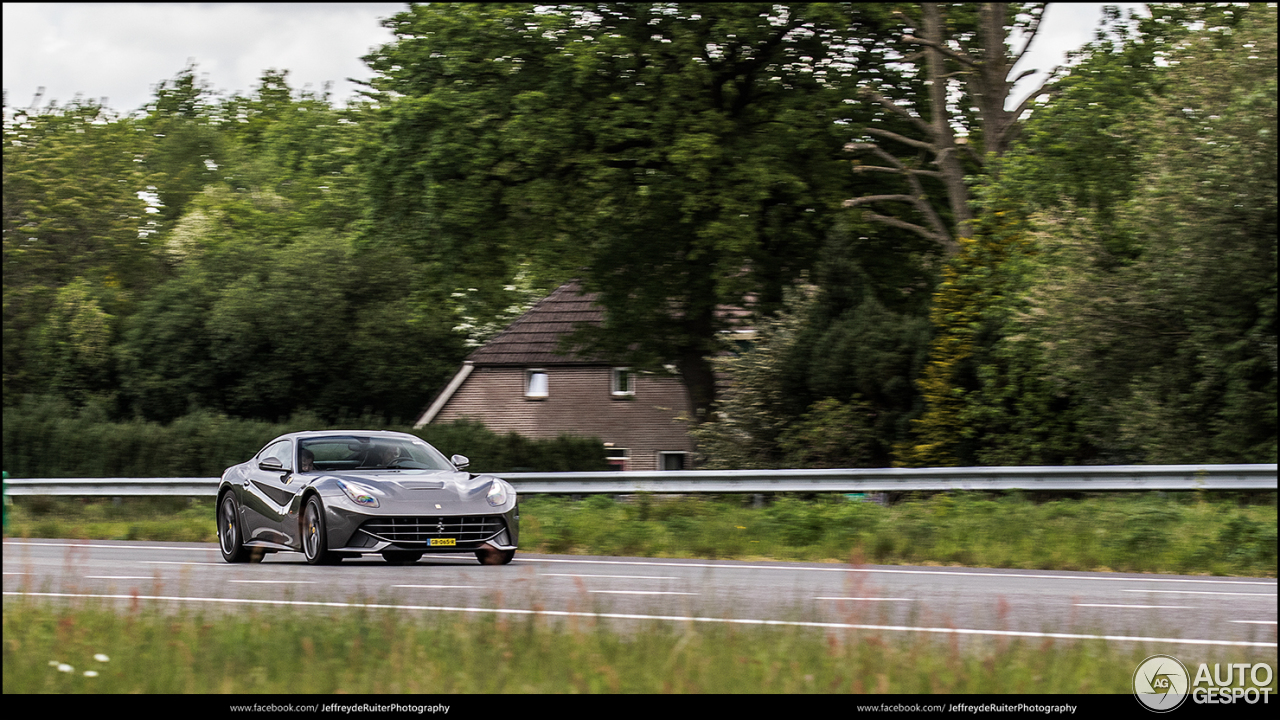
(354,452)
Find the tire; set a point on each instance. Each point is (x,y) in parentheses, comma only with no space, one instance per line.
(315,539)
(401,557)
(494,556)
(230,541)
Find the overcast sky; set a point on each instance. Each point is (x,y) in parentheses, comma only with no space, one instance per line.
(122,51)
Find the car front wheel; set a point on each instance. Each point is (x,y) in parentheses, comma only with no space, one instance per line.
(229,541)
(492,556)
(315,541)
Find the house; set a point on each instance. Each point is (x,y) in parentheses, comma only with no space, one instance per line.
(517,382)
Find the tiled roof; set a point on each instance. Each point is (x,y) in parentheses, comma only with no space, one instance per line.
(534,337)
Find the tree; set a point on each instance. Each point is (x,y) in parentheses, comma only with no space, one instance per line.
(72,216)
(677,156)
(1122,257)
(1170,335)
(957,122)
(274,306)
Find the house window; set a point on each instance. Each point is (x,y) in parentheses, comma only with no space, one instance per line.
(622,383)
(535,384)
(671,460)
(616,457)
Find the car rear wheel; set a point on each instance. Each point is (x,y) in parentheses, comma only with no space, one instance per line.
(229,541)
(315,541)
(401,557)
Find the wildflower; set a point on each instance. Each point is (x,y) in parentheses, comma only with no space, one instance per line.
(54,663)
(91,673)
(101,658)
(63,667)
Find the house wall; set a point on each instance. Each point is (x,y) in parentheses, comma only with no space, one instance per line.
(578,403)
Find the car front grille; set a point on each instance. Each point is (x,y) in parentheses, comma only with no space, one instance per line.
(420,530)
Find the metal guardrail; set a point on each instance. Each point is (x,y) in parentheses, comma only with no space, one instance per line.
(1070,478)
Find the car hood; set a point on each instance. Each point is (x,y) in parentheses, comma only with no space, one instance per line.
(412,486)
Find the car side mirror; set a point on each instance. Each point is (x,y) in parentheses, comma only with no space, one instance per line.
(460,461)
(271,465)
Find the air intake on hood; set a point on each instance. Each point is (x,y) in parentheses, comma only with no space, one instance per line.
(421,484)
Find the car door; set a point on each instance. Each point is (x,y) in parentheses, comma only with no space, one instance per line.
(270,496)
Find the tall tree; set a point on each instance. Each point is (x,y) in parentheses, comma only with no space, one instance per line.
(1170,333)
(957,122)
(72,216)
(1134,223)
(273,306)
(678,156)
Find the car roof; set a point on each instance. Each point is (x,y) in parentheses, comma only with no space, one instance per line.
(366,433)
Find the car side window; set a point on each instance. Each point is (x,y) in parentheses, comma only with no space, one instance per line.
(281,452)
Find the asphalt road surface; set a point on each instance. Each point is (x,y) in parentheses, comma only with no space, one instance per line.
(1162,611)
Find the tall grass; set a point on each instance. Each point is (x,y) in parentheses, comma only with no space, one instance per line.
(1135,532)
(386,651)
(1187,533)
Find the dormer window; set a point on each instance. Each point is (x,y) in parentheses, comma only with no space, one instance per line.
(622,384)
(536,386)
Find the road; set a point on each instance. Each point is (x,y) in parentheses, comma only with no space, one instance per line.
(1166,611)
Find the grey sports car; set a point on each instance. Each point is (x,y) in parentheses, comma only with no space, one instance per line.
(339,494)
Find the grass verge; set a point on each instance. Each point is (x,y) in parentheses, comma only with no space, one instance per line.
(50,647)
(1185,533)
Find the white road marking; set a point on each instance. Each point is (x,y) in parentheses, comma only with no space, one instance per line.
(676,618)
(1147,607)
(105,547)
(1197,592)
(438,587)
(624,577)
(868,599)
(276,582)
(524,559)
(1255,622)
(639,592)
(898,572)
(181,562)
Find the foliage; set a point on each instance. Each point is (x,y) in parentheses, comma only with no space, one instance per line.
(229,276)
(47,439)
(353,650)
(1185,533)
(1118,303)
(1170,335)
(76,244)
(266,255)
(751,414)
(684,155)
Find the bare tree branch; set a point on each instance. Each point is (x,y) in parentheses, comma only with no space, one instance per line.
(893,107)
(1035,29)
(1023,74)
(958,57)
(1014,127)
(855,202)
(900,171)
(950,245)
(903,139)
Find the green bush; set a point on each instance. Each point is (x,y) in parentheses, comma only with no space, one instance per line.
(46,438)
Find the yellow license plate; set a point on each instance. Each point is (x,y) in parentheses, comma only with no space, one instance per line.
(444,541)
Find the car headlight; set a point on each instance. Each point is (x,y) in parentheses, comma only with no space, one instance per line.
(499,493)
(359,494)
